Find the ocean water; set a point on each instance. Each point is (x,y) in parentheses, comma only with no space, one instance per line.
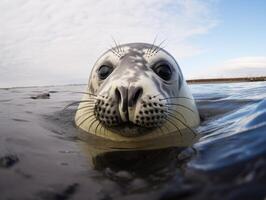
(43,157)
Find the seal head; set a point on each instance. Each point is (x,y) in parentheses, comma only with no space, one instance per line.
(136,91)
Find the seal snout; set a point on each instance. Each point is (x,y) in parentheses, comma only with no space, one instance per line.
(131,108)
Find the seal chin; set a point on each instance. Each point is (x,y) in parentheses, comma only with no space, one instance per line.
(129,129)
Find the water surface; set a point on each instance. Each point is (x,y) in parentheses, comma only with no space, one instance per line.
(42,157)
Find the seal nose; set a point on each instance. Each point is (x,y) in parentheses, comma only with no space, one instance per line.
(127,98)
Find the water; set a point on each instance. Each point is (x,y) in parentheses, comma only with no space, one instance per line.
(42,157)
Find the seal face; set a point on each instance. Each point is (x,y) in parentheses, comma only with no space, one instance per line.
(136,91)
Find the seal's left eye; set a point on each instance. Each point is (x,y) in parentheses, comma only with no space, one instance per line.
(104,71)
(164,71)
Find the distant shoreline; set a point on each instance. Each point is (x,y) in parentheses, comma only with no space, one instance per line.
(227,80)
(189,81)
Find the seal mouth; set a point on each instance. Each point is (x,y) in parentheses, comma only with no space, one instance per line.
(130,129)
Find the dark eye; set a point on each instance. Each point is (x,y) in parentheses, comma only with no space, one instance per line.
(164,71)
(104,71)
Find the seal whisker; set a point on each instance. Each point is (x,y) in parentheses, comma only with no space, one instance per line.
(195,134)
(115,52)
(167,128)
(95,120)
(153,43)
(97,127)
(178,113)
(82,93)
(104,129)
(121,49)
(74,103)
(171,113)
(85,113)
(89,106)
(161,130)
(158,47)
(174,126)
(89,102)
(181,105)
(175,98)
(86,119)
(117,47)
(173,116)
(156,95)
(101,128)
(87,109)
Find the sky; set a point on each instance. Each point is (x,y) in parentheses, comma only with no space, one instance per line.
(57,42)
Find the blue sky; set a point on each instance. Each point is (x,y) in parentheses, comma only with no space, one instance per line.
(240,33)
(57,42)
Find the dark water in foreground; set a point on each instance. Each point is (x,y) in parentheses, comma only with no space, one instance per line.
(41,156)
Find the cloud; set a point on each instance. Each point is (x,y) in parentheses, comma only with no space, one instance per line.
(238,67)
(56,42)
(245,62)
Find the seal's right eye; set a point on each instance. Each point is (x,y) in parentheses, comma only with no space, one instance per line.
(104,71)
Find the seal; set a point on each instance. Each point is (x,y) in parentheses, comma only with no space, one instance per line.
(137,92)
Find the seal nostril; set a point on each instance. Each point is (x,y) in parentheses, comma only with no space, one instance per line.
(122,98)
(117,95)
(134,93)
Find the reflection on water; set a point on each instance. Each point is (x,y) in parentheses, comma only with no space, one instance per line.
(135,168)
(43,156)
